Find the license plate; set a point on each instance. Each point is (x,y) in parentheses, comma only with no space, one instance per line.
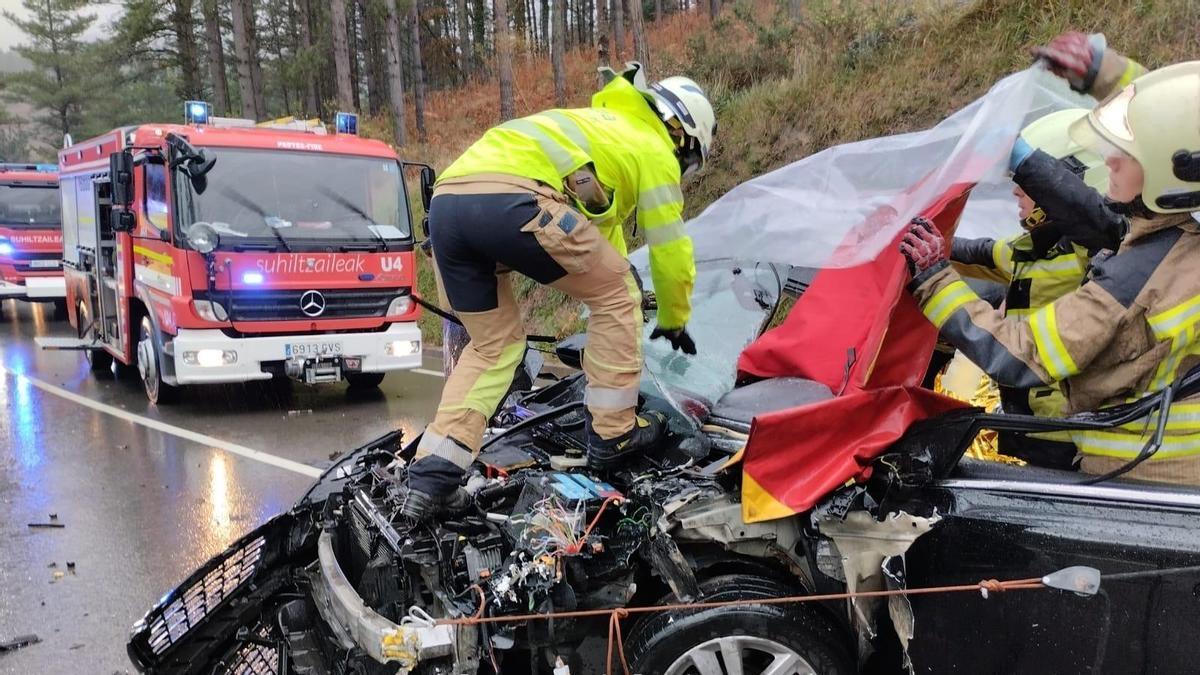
(44,264)
(312,349)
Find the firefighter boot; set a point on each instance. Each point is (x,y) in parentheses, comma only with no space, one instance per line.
(417,506)
(648,430)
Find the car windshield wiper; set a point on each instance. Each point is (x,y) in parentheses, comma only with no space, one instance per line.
(353,208)
(246,202)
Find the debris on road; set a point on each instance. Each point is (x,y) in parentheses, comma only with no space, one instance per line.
(13,644)
(47,525)
(71,567)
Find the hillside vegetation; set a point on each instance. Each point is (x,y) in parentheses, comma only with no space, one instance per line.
(851,69)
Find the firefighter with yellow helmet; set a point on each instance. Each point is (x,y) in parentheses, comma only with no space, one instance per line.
(1064,226)
(1133,328)
(546,196)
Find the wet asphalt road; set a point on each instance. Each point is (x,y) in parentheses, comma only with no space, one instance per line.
(143,507)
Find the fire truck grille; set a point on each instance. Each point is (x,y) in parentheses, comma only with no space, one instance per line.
(345,303)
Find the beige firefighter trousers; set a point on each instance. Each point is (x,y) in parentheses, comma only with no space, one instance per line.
(596,275)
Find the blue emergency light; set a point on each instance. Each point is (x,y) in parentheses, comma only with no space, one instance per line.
(346,123)
(6,247)
(250,278)
(196,112)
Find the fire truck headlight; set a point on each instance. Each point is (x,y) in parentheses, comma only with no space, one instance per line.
(400,306)
(6,248)
(203,238)
(210,311)
(252,278)
(210,358)
(402,348)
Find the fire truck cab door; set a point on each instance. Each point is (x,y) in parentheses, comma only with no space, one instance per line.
(106,269)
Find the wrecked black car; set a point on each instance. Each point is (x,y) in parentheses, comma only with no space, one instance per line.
(337,585)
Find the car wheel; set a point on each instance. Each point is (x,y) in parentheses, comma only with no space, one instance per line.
(364,380)
(775,639)
(149,360)
(99,360)
(60,310)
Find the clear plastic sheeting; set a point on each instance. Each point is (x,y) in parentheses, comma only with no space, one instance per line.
(841,206)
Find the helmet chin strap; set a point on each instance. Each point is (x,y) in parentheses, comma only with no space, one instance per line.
(1133,209)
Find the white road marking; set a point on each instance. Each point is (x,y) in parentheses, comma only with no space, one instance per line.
(431,373)
(157,425)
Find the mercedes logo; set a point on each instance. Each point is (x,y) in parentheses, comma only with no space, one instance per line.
(312,303)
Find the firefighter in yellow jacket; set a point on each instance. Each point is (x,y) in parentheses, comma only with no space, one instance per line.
(1134,327)
(546,196)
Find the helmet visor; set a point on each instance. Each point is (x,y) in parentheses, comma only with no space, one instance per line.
(1097,139)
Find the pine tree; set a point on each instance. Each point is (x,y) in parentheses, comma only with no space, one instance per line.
(504,57)
(63,78)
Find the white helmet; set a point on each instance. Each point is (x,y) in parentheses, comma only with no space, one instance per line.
(683,105)
(1154,120)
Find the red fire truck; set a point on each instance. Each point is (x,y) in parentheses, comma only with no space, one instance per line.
(30,234)
(227,252)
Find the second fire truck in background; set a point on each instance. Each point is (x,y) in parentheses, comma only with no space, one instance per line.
(31,234)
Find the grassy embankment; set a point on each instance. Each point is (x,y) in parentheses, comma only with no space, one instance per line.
(851,69)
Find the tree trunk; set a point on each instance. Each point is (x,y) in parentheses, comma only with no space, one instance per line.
(395,66)
(714,8)
(312,106)
(545,20)
(464,39)
(504,58)
(618,31)
(658,10)
(256,76)
(241,49)
(602,27)
(637,24)
(418,72)
(558,48)
(183,26)
(479,34)
(341,55)
(794,9)
(216,57)
(374,30)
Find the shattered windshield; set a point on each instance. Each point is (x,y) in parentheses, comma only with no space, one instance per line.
(731,303)
(298,198)
(29,206)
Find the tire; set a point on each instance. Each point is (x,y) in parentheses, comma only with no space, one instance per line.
(782,639)
(60,310)
(98,360)
(360,381)
(149,360)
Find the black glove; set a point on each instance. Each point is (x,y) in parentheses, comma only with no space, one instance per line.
(678,337)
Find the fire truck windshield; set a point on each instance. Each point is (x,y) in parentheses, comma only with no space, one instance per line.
(29,206)
(297,199)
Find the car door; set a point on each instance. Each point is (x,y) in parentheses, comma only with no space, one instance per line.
(1031,522)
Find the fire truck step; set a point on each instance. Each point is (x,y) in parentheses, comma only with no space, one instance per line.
(67,343)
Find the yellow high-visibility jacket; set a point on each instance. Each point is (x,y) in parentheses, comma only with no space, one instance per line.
(634,158)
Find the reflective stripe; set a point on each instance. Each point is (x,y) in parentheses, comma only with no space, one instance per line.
(947,301)
(1181,345)
(1002,253)
(1117,444)
(665,234)
(570,129)
(1133,70)
(611,399)
(660,196)
(1042,269)
(1171,322)
(437,445)
(555,152)
(1185,418)
(489,388)
(1050,347)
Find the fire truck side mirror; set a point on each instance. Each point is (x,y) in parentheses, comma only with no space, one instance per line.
(120,171)
(428,178)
